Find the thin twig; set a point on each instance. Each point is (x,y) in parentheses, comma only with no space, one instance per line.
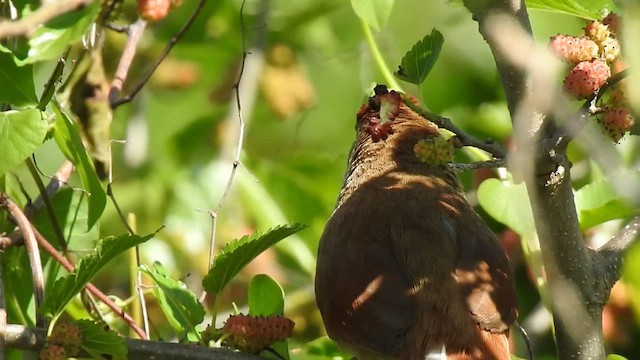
(56,182)
(57,229)
(489,164)
(113,95)
(134,33)
(33,339)
(113,197)
(466,139)
(27,25)
(32,250)
(90,287)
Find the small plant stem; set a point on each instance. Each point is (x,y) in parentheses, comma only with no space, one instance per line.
(377,56)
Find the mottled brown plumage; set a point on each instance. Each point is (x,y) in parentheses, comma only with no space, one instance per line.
(405,265)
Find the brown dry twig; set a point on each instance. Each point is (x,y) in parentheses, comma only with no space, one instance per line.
(44,13)
(90,287)
(114,92)
(32,250)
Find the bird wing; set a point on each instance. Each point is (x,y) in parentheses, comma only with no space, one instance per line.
(484,277)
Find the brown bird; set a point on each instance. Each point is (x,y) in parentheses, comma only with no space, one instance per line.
(405,265)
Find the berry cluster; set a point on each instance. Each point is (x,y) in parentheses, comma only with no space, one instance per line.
(255,333)
(64,342)
(379,113)
(592,57)
(435,150)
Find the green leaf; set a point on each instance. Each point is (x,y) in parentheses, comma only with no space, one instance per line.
(238,253)
(100,341)
(266,296)
(21,133)
(326,347)
(588,9)
(615,357)
(72,211)
(373,12)
(599,202)
(68,139)
(179,304)
(17,81)
(509,204)
(69,286)
(50,40)
(418,62)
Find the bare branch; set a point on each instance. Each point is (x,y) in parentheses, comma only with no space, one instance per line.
(613,251)
(33,339)
(491,164)
(32,251)
(44,13)
(57,181)
(114,92)
(90,287)
(134,32)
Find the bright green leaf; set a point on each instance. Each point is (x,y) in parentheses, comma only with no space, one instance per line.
(21,133)
(615,357)
(68,139)
(266,296)
(373,12)
(179,304)
(69,286)
(238,253)
(599,202)
(588,9)
(418,62)
(17,81)
(50,40)
(509,204)
(101,342)
(326,347)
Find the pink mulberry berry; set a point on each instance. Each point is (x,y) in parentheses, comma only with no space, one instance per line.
(574,49)
(586,77)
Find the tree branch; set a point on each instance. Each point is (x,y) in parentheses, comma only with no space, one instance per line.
(43,14)
(33,339)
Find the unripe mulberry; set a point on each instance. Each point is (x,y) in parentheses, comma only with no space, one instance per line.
(434,151)
(153,10)
(612,20)
(68,336)
(574,49)
(255,333)
(586,77)
(610,49)
(53,352)
(596,31)
(615,122)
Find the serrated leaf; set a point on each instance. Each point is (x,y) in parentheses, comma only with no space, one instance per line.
(508,204)
(17,81)
(179,304)
(49,41)
(599,202)
(373,12)
(238,253)
(69,286)
(68,139)
(588,9)
(418,62)
(100,341)
(21,133)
